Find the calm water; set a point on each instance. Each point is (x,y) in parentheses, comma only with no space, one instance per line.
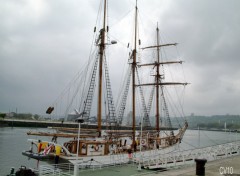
(14,140)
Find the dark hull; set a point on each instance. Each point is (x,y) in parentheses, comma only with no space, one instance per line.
(37,156)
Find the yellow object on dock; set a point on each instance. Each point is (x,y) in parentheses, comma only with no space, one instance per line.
(58,150)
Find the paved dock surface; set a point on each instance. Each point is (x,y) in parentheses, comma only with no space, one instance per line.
(228,166)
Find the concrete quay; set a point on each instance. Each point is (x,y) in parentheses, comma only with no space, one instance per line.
(227,166)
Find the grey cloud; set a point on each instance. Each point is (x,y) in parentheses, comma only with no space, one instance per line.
(43,45)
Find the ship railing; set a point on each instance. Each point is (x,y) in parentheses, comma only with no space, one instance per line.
(65,169)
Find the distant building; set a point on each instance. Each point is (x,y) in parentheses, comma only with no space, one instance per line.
(72,116)
(10,114)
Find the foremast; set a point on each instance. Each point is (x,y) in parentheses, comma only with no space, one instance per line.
(101,53)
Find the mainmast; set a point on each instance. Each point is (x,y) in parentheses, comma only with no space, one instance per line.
(157,78)
(101,53)
(134,54)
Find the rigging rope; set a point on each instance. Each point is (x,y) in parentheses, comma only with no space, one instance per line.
(173,107)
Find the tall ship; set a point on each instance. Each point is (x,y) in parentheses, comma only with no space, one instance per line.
(117,133)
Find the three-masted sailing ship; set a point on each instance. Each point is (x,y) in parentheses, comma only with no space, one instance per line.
(102,145)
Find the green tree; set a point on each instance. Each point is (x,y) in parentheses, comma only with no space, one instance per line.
(2,115)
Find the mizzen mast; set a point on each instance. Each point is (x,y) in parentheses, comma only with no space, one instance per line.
(158,77)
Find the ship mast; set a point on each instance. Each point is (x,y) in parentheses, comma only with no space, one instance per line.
(101,53)
(158,77)
(134,63)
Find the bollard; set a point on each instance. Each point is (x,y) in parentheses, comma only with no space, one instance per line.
(200,169)
(76,169)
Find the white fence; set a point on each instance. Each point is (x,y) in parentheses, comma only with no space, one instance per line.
(152,161)
(177,158)
(65,169)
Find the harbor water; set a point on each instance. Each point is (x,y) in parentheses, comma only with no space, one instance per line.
(14,140)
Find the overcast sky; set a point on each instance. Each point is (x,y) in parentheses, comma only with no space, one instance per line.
(43,44)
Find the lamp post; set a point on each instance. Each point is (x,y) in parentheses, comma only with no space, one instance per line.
(76,168)
(139,165)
